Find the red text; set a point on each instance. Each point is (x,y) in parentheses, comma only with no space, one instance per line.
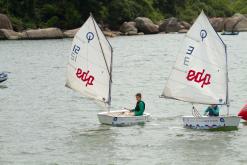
(85,77)
(199,77)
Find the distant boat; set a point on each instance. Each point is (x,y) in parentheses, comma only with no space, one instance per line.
(200,76)
(89,72)
(229,33)
(3,77)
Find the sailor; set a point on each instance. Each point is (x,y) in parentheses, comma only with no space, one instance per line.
(212,110)
(140,106)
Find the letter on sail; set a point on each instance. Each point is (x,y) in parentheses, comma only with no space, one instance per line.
(90,63)
(200,72)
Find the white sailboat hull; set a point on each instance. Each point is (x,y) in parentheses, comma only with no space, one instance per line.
(206,122)
(118,118)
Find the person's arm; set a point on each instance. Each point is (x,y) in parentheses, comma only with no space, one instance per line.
(140,112)
(206,111)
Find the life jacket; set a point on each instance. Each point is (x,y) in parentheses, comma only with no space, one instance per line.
(137,108)
(243,112)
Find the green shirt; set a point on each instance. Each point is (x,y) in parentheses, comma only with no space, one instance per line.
(212,111)
(139,109)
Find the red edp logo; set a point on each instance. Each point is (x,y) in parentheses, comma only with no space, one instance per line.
(85,77)
(199,77)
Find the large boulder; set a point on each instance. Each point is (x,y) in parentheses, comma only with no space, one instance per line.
(183,31)
(146,26)
(48,33)
(6,34)
(170,25)
(242,24)
(110,33)
(70,33)
(231,23)
(129,28)
(217,23)
(162,25)
(5,22)
(185,25)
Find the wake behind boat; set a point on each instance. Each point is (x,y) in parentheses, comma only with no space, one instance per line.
(90,72)
(3,77)
(200,76)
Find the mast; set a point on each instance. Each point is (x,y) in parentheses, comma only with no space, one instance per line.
(227,84)
(227,77)
(109,71)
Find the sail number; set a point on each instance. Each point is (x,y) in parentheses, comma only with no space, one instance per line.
(189,53)
(199,77)
(75,52)
(84,76)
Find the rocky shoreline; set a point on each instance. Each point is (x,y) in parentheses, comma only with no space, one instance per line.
(140,26)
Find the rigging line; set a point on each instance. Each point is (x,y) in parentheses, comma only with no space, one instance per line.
(101,47)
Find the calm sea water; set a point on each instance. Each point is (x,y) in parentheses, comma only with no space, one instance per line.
(42,122)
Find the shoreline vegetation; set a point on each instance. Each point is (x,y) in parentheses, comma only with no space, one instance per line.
(32,19)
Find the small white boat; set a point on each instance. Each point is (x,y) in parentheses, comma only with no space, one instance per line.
(200,76)
(3,77)
(89,71)
(119,118)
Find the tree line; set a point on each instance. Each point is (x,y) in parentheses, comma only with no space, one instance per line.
(68,14)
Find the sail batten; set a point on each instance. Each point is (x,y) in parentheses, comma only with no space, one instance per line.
(200,72)
(89,69)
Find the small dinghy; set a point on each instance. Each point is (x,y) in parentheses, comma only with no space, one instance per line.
(3,77)
(200,76)
(89,72)
(121,118)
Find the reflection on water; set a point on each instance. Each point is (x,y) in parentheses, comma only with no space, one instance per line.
(3,86)
(42,122)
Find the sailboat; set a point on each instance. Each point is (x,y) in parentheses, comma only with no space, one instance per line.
(3,77)
(200,76)
(89,72)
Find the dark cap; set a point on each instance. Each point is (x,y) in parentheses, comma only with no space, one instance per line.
(139,94)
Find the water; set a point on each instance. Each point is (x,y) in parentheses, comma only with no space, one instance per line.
(42,122)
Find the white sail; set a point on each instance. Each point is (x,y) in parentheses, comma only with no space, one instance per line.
(90,63)
(200,72)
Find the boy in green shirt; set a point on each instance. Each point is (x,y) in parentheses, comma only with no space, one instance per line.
(140,106)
